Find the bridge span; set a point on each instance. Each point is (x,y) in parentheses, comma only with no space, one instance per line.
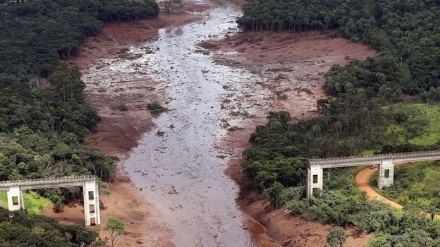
(384,161)
(90,193)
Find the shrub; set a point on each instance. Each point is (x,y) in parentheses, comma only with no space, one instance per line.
(122,107)
(154,107)
(58,206)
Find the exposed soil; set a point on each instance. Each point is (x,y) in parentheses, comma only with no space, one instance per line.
(292,64)
(119,131)
(363,182)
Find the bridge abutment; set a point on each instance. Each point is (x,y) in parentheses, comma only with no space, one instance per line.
(386,173)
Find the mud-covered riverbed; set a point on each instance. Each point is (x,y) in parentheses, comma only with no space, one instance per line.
(214,100)
(176,165)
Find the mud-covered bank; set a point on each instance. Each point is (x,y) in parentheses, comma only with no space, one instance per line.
(119,131)
(290,64)
(227,91)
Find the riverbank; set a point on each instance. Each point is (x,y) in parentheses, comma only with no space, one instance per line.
(297,61)
(293,65)
(119,131)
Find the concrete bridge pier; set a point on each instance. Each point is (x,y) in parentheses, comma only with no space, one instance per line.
(386,173)
(91,203)
(314,179)
(15,198)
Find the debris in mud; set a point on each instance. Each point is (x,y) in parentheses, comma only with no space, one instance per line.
(280,95)
(120,107)
(173,191)
(130,56)
(204,52)
(160,133)
(148,50)
(208,45)
(234,128)
(101,65)
(305,90)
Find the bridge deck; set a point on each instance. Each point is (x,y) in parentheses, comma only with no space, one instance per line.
(374,159)
(47,182)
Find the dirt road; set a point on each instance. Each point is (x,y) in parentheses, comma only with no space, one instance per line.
(363,182)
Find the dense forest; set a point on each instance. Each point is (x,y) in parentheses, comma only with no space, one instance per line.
(21,229)
(370,109)
(407,31)
(35,34)
(44,118)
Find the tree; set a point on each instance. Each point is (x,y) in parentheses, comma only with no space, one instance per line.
(115,228)
(432,212)
(67,82)
(336,236)
(273,193)
(281,116)
(379,241)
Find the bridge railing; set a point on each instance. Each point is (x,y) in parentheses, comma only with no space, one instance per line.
(408,155)
(42,181)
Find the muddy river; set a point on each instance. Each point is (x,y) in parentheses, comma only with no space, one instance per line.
(178,166)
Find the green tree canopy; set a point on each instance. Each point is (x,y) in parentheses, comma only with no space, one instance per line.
(337,237)
(115,228)
(67,82)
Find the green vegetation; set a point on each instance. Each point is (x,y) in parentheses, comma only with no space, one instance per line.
(352,17)
(3,200)
(407,32)
(155,107)
(115,228)
(21,229)
(336,237)
(416,185)
(43,115)
(385,104)
(36,34)
(122,107)
(423,124)
(173,6)
(33,202)
(41,132)
(413,123)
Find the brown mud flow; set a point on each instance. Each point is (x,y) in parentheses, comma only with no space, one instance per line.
(176,166)
(215,98)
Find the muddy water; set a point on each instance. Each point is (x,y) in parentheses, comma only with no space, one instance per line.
(177,165)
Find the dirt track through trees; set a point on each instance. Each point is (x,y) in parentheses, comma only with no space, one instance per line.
(363,182)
